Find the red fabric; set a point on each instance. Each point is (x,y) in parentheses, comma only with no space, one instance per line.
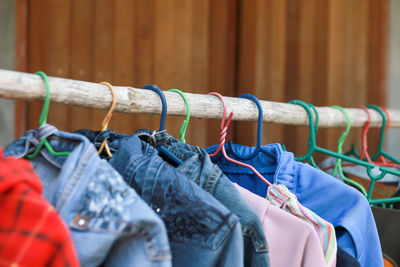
(31,231)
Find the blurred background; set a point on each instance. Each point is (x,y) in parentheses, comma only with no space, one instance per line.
(324,52)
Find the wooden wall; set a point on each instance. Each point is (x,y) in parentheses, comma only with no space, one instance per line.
(321,51)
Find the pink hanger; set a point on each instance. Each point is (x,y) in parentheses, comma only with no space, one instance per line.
(224,129)
(364,152)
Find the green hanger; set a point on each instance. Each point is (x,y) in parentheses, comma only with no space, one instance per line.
(369,166)
(338,166)
(380,151)
(311,159)
(43,120)
(313,130)
(185,123)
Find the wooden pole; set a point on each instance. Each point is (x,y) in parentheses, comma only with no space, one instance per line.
(19,85)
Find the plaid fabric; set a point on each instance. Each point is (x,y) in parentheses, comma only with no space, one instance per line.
(281,197)
(31,231)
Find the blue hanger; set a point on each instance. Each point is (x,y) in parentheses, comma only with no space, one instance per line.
(162,150)
(157,90)
(259,130)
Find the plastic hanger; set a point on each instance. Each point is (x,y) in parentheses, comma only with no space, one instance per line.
(162,150)
(369,166)
(107,118)
(381,153)
(224,128)
(364,148)
(338,167)
(364,151)
(43,120)
(185,123)
(382,157)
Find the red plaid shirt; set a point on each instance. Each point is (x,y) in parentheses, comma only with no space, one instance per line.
(31,231)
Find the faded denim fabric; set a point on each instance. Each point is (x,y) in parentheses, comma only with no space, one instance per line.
(202,232)
(341,205)
(109,223)
(198,167)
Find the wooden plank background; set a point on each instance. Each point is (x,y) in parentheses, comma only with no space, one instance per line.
(323,52)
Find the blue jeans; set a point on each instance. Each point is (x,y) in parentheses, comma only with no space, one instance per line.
(202,232)
(198,167)
(109,223)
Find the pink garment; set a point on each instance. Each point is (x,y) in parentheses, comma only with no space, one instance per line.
(280,196)
(291,241)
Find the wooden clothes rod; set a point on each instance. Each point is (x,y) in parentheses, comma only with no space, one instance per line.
(25,86)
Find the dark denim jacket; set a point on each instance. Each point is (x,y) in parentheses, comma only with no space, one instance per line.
(198,167)
(109,223)
(202,232)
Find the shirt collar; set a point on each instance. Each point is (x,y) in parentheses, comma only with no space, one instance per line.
(272,160)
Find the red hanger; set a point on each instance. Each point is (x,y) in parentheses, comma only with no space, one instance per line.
(388,121)
(224,128)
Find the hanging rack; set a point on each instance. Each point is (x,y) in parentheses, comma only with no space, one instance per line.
(25,86)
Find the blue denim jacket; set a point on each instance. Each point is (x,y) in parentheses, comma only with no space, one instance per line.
(202,232)
(109,223)
(343,206)
(198,167)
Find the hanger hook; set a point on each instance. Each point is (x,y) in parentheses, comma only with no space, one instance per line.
(259,130)
(260,117)
(389,120)
(185,123)
(107,118)
(46,105)
(365,129)
(224,123)
(43,120)
(311,140)
(338,165)
(383,129)
(342,137)
(157,90)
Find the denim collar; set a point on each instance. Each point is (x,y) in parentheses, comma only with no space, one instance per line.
(273,160)
(190,155)
(72,167)
(131,153)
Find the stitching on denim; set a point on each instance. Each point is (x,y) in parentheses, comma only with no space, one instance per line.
(208,178)
(73,181)
(50,158)
(215,176)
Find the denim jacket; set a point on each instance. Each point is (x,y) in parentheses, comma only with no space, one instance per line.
(202,232)
(198,167)
(109,223)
